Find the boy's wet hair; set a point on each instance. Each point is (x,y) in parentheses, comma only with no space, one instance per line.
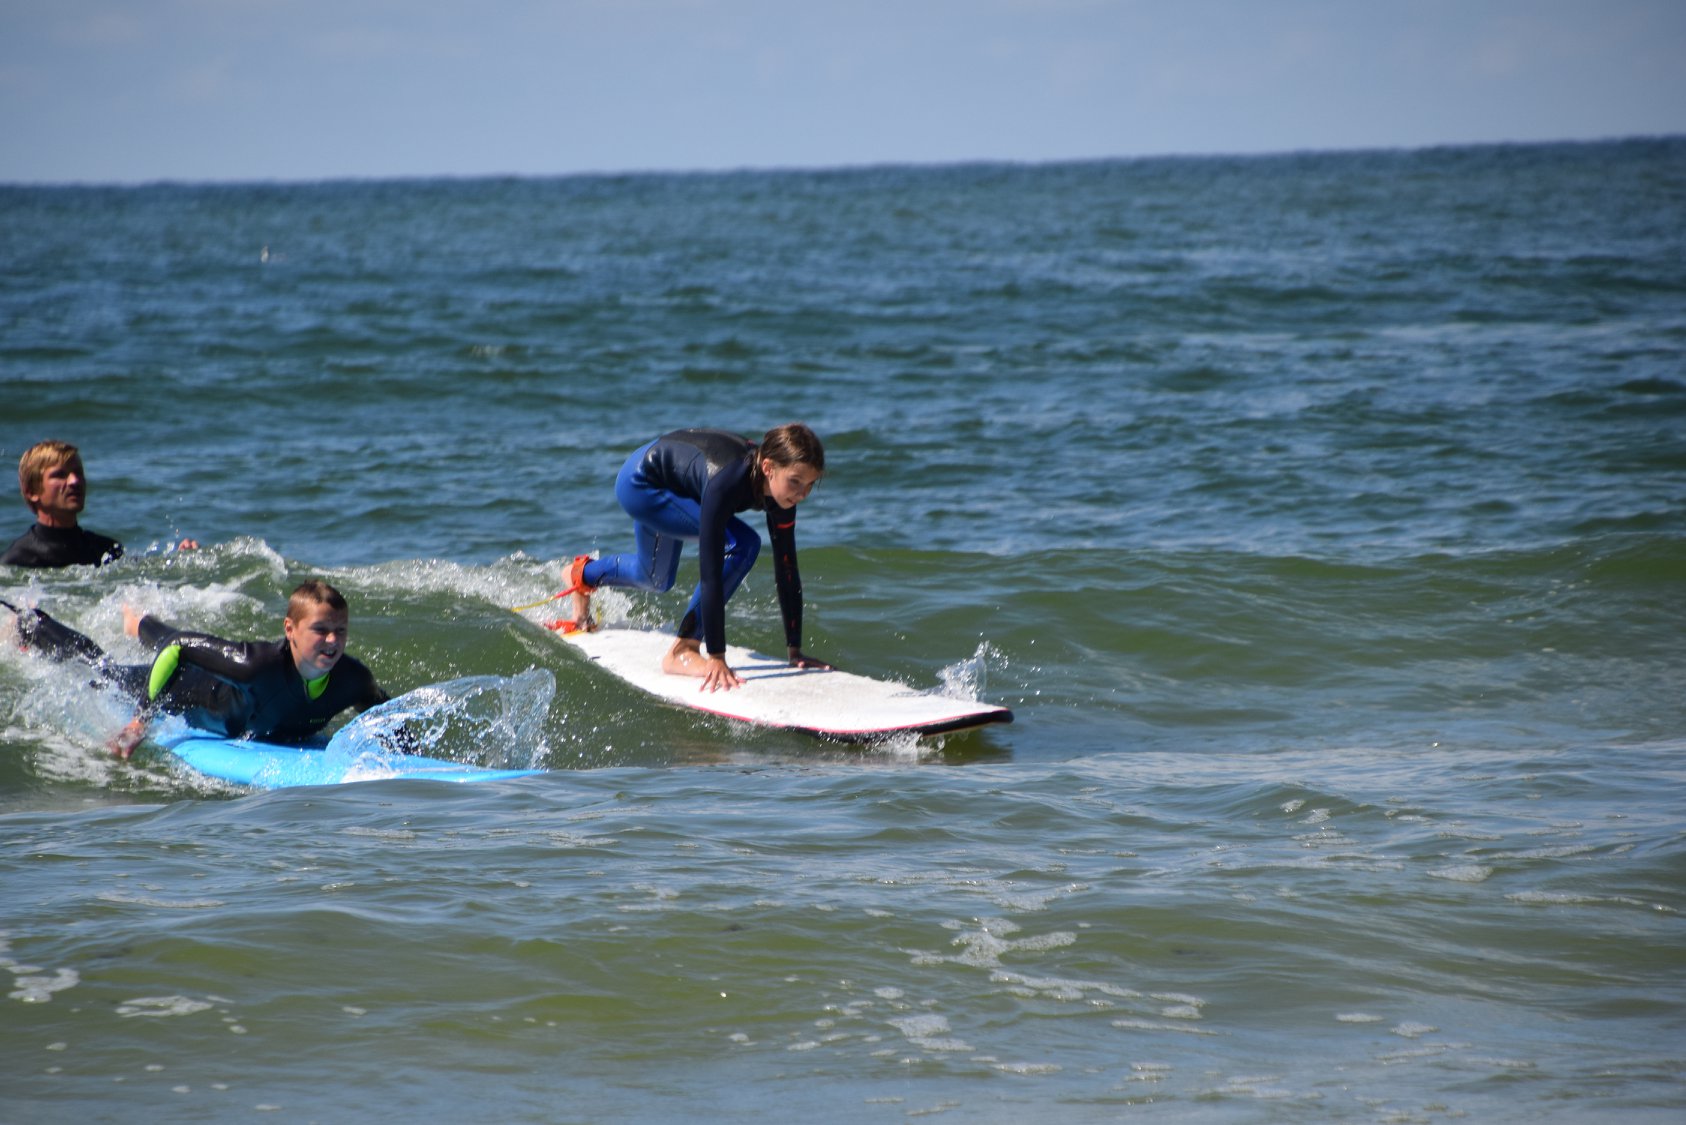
(312,593)
(37,460)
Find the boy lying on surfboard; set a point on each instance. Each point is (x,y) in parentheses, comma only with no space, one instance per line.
(280,691)
(690,485)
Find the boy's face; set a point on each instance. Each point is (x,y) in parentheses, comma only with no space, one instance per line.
(317,639)
(62,494)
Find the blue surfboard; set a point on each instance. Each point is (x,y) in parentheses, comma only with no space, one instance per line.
(494,710)
(266,765)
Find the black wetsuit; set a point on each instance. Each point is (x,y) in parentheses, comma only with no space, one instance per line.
(275,703)
(231,688)
(44,547)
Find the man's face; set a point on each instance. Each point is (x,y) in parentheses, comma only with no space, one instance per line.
(62,494)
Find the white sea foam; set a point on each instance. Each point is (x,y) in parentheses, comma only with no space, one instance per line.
(1028,1069)
(160,903)
(1409,1030)
(40,989)
(1153,1025)
(928,1031)
(161,1006)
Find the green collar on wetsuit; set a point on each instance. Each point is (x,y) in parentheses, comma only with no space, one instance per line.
(169,659)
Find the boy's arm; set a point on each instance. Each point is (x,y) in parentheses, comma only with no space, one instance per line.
(123,743)
(232,660)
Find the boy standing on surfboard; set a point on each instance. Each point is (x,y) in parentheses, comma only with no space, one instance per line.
(279,691)
(690,485)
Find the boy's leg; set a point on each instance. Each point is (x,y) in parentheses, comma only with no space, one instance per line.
(55,640)
(46,636)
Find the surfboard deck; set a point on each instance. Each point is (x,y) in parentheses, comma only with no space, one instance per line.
(266,765)
(840,706)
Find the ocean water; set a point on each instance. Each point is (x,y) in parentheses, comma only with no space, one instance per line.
(1322,517)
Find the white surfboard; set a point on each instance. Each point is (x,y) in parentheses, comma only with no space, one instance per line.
(827,704)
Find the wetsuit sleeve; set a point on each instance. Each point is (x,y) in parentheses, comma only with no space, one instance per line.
(720,502)
(155,634)
(239,661)
(781,533)
(205,701)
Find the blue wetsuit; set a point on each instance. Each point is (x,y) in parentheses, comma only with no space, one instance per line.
(690,485)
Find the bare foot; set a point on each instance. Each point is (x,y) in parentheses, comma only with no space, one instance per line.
(685,658)
(573,580)
(581,603)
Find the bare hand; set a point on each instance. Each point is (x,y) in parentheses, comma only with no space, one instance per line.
(131,624)
(123,743)
(718,676)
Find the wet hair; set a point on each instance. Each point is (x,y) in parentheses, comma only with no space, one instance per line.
(792,444)
(312,593)
(37,460)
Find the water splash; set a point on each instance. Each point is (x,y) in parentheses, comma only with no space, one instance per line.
(968,679)
(494,721)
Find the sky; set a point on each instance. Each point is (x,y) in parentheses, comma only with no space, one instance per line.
(130,91)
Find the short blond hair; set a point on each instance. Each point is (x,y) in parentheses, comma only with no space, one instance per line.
(313,593)
(37,460)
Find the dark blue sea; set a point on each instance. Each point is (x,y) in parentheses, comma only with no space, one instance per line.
(1322,517)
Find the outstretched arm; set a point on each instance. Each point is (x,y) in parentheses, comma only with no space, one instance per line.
(233,660)
(123,743)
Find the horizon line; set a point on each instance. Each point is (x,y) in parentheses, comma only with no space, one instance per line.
(812,169)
